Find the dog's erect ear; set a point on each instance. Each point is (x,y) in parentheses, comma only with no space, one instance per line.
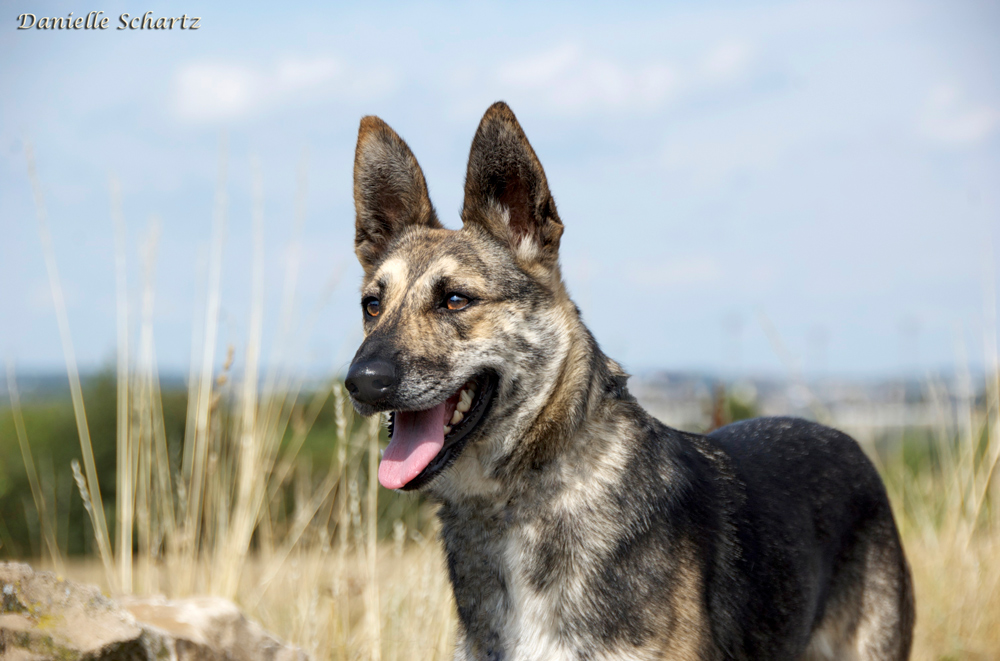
(505,189)
(389,190)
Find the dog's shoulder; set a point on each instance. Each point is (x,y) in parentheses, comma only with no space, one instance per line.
(795,455)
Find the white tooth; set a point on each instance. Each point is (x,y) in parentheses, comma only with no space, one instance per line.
(463,406)
(466,395)
(447,429)
(456,417)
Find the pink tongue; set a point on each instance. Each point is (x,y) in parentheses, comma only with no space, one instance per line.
(417,437)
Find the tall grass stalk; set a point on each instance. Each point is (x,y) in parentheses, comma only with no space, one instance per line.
(46,523)
(196,461)
(146,436)
(124,506)
(76,391)
(992,384)
(375,633)
(250,495)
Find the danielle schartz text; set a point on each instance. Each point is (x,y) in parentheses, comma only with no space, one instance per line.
(94,21)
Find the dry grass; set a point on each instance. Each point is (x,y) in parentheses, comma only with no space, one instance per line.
(958,601)
(958,597)
(321,602)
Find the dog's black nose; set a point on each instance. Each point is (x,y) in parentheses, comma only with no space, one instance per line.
(371,381)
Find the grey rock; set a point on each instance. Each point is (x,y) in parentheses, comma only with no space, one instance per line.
(208,628)
(45,617)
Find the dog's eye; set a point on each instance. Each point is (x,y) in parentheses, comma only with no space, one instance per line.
(371,306)
(455,301)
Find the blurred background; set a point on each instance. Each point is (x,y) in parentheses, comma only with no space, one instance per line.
(770,208)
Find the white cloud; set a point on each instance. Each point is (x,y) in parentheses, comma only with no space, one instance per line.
(727,61)
(210,91)
(949,119)
(543,69)
(565,78)
(572,79)
(295,73)
(215,91)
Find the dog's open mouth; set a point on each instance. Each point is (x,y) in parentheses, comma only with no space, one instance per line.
(423,443)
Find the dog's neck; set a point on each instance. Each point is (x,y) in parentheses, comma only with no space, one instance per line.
(587,380)
(564,466)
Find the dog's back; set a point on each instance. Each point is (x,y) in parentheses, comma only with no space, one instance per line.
(819,551)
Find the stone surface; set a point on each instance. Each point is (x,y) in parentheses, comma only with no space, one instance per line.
(208,628)
(44,617)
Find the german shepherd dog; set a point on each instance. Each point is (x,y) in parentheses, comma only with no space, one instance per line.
(576,525)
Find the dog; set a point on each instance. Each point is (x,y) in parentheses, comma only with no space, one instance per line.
(576,525)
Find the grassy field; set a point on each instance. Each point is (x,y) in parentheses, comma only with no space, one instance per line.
(316,549)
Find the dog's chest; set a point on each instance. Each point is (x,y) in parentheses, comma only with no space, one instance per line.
(535,626)
(518,584)
(551,567)
(534,580)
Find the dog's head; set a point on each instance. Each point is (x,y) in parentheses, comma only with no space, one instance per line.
(465,330)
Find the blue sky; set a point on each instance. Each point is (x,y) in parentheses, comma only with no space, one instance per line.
(828,170)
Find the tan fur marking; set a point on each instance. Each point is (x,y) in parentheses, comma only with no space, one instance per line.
(688,630)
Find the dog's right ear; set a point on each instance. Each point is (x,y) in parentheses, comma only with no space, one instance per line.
(390,193)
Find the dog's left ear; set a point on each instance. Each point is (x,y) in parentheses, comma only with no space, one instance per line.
(506,192)
(390,193)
